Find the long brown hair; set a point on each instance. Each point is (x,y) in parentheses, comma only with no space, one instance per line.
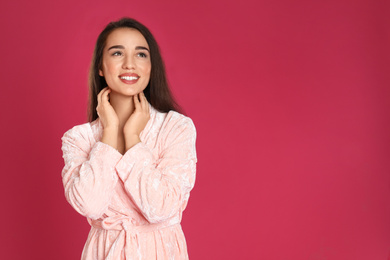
(156,92)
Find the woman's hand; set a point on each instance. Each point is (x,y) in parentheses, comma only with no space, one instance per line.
(105,111)
(137,121)
(108,118)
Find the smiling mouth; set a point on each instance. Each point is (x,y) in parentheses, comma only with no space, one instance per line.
(129,78)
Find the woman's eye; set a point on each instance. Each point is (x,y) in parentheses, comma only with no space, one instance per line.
(142,55)
(117,53)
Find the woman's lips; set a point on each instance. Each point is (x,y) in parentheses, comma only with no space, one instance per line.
(129,78)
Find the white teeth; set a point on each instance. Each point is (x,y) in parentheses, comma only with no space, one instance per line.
(129,77)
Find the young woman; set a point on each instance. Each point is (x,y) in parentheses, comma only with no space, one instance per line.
(130,170)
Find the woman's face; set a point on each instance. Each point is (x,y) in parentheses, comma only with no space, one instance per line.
(126,62)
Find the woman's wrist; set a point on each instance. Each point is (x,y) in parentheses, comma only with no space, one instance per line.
(112,127)
(131,140)
(110,136)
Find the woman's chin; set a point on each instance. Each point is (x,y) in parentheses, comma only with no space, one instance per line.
(126,93)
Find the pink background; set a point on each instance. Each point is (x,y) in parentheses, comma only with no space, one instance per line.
(290,99)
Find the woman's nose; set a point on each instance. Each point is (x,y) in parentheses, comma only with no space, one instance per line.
(129,63)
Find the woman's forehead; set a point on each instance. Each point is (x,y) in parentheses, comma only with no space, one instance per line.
(127,37)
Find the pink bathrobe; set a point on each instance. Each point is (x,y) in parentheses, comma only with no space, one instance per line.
(133,202)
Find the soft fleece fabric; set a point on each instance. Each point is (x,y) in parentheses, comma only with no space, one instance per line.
(133,202)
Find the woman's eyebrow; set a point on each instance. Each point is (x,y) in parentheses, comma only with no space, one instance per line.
(141,48)
(116,47)
(122,47)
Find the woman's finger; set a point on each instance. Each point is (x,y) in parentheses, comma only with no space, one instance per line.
(141,99)
(136,102)
(144,102)
(105,97)
(100,95)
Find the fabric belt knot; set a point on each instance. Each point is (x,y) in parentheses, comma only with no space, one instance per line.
(122,222)
(128,240)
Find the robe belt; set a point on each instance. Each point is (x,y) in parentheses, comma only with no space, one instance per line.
(120,222)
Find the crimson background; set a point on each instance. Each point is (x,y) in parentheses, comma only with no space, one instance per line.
(291,104)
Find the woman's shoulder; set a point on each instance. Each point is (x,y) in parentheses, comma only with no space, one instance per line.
(83,131)
(172,125)
(173,119)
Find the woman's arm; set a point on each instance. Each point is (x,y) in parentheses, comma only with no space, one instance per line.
(160,186)
(137,121)
(108,118)
(88,176)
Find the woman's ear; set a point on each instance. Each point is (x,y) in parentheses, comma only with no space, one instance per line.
(101,73)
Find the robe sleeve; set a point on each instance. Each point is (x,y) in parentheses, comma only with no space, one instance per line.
(160,186)
(89,176)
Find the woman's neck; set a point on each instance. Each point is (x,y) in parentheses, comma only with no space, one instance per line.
(123,106)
